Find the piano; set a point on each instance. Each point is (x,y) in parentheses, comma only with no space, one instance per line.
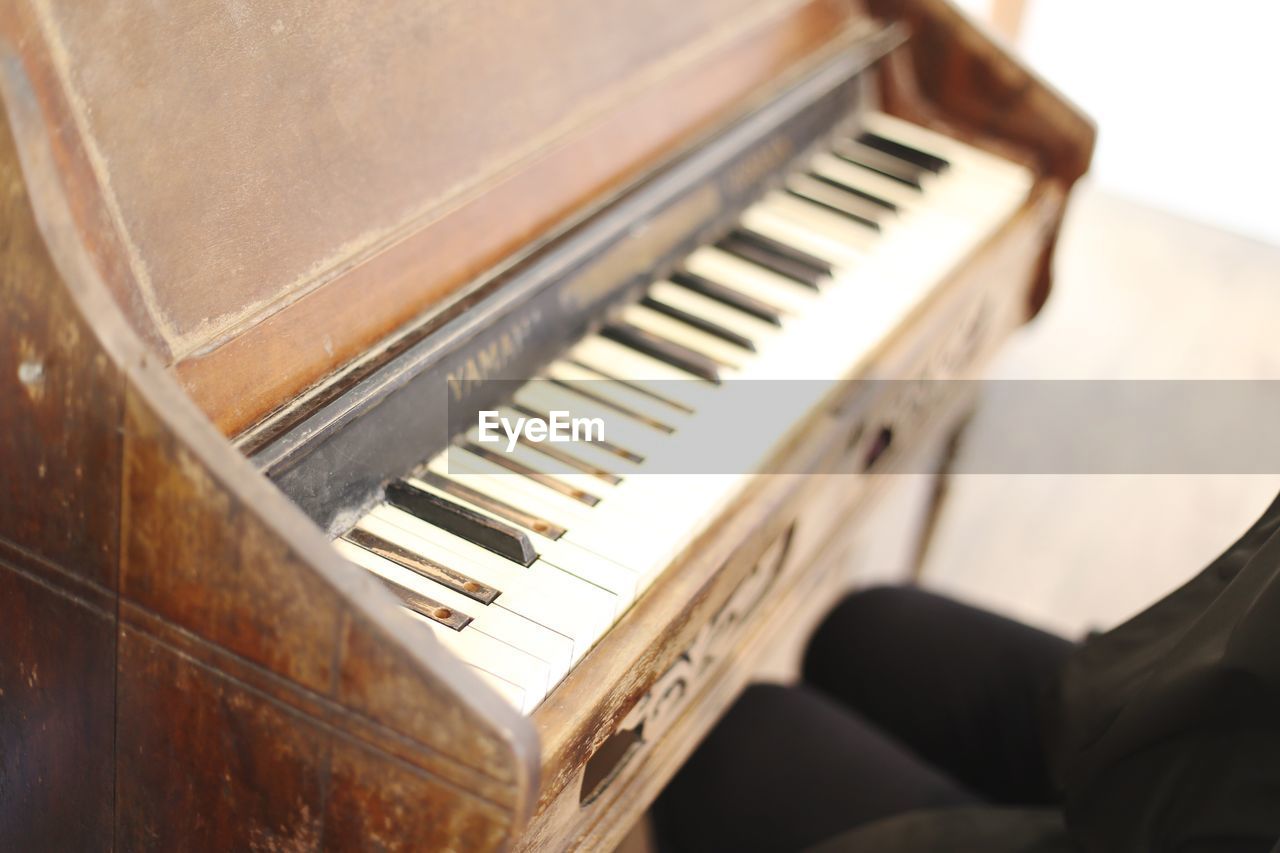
(264,584)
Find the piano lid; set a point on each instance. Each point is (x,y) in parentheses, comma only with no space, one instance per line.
(270,188)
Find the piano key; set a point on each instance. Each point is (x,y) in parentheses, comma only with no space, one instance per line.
(699,322)
(661,414)
(837,199)
(757,308)
(576,463)
(750,279)
(891,167)
(420,565)
(617,579)
(841,255)
(725,354)
(512,693)
(822,222)
(512,462)
(423,606)
(662,349)
(888,207)
(652,519)
(625,432)
(763,252)
(695,304)
(501,660)
(592,391)
(977,181)
(517,649)
(541,593)
(482,475)
(644,387)
(525,410)
(616,361)
(545,469)
(902,151)
(470,497)
(965,160)
(860,178)
(496,536)
(594,457)
(780,248)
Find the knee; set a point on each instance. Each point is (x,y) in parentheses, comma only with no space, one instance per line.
(863,624)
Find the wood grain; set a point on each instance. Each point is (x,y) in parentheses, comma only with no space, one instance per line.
(250,654)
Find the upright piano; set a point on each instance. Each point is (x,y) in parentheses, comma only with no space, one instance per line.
(264,585)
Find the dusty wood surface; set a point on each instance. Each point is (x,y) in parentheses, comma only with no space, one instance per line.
(240,688)
(245,174)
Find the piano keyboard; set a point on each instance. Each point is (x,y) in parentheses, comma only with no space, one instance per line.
(519,567)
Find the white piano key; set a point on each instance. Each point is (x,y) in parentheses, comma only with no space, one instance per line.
(617,579)
(725,353)
(516,643)
(613,359)
(780,228)
(513,693)
(820,221)
(531,457)
(593,455)
(618,393)
(541,593)
(850,174)
(621,430)
(753,328)
(493,480)
(503,661)
(750,279)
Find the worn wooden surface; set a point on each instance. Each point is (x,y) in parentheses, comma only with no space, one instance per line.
(185,661)
(282,166)
(60,404)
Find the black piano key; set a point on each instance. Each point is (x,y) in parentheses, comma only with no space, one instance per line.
(776,264)
(607,446)
(858,191)
(829,199)
(424,566)
(648,392)
(674,354)
(773,255)
(728,296)
(700,323)
(908,174)
(583,389)
(902,151)
(424,606)
(527,520)
(516,467)
(498,537)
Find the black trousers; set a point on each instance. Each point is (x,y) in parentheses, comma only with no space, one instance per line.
(909,701)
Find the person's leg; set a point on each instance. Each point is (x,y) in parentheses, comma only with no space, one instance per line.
(965,689)
(787,768)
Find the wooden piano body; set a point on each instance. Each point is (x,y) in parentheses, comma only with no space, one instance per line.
(220,219)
